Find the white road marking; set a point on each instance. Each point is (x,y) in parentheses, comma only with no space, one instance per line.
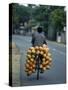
(59,44)
(58,51)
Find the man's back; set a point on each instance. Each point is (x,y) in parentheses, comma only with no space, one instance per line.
(38,39)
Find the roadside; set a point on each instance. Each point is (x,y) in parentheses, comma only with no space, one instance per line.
(15,65)
(54,42)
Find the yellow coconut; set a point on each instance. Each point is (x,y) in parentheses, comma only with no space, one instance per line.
(30,64)
(31,48)
(32,60)
(37,52)
(30,68)
(33,66)
(47,57)
(29,56)
(45,46)
(33,56)
(36,48)
(47,62)
(47,67)
(41,66)
(41,48)
(33,70)
(33,51)
(27,65)
(29,73)
(41,52)
(43,59)
(49,54)
(44,55)
(50,59)
(44,68)
(44,49)
(47,49)
(43,62)
(28,61)
(29,51)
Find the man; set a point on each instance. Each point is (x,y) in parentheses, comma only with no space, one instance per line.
(38,38)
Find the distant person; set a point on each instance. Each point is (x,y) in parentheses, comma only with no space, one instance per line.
(38,38)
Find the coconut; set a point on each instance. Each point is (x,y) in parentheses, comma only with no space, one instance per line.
(29,51)
(44,68)
(33,56)
(41,66)
(44,55)
(29,73)
(33,70)
(29,56)
(33,66)
(27,65)
(50,59)
(47,57)
(28,61)
(49,54)
(30,68)
(37,52)
(44,59)
(47,62)
(47,67)
(31,48)
(41,52)
(36,48)
(31,60)
(45,46)
(33,51)
(41,48)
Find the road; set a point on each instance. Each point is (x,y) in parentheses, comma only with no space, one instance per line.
(57,73)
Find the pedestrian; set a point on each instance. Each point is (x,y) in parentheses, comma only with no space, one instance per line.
(38,38)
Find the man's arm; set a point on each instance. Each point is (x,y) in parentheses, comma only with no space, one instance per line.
(45,40)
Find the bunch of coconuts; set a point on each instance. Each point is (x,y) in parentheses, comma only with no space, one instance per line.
(31,62)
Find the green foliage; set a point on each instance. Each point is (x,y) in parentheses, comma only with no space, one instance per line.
(58,18)
(20,14)
(42,14)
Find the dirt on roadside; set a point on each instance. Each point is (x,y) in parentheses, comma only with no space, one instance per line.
(14,64)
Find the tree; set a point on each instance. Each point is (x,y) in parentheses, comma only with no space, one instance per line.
(41,15)
(15,16)
(58,19)
(20,14)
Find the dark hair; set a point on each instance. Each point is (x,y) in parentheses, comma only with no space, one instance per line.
(39,29)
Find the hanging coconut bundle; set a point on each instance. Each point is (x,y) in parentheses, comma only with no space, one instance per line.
(40,52)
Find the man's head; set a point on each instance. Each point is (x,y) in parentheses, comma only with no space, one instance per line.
(39,29)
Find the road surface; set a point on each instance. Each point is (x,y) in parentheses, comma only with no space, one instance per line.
(57,73)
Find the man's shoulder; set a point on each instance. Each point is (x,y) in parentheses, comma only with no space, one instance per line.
(34,33)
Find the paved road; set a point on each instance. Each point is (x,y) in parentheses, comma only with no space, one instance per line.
(57,73)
